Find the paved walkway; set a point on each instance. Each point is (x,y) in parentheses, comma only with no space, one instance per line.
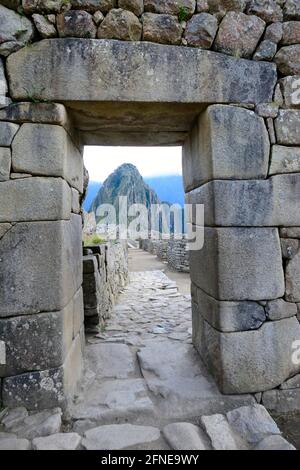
(145,385)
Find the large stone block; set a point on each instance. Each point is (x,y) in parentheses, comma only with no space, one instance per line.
(226,143)
(239,34)
(5,163)
(248,361)
(288,60)
(48,388)
(29,199)
(292,279)
(3,85)
(16,31)
(230,316)
(164,29)
(290,87)
(287,127)
(46,113)
(170,7)
(41,266)
(284,160)
(47,150)
(271,202)
(120,24)
(111,78)
(37,342)
(7,133)
(239,264)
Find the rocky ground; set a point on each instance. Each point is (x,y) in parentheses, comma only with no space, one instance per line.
(145,387)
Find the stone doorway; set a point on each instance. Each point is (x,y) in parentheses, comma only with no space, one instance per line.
(119,93)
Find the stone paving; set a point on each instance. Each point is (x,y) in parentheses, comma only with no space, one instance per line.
(145,387)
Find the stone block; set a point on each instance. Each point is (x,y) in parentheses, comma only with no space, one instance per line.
(227,142)
(76,208)
(45,28)
(120,24)
(274,442)
(37,342)
(292,279)
(239,264)
(36,113)
(239,34)
(271,202)
(230,316)
(46,199)
(185,436)
(76,24)
(3,84)
(291,33)
(119,436)
(121,80)
(94,5)
(291,91)
(161,28)
(90,264)
(78,313)
(287,127)
(290,232)
(7,133)
(16,31)
(201,30)
(47,150)
(5,163)
(292,383)
(288,60)
(265,51)
(136,6)
(291,10)
(248,361)
(282,401)
(252,423)
(41,266)
(170,7)
(59,441)
(48,388)
(284,160)
(279,309)
(221,435)
(289,247)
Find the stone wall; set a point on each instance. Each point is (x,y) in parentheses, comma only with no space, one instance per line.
(105,273)
(241,159)
(41,313)
(174,252)
(178,257)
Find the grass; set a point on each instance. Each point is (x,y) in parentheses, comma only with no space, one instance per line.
(94,239)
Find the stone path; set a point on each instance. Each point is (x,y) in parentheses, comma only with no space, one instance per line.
(145,388)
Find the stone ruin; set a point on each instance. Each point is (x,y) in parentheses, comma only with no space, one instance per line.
(221,78)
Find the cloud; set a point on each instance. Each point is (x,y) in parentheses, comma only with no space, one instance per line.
(150,161)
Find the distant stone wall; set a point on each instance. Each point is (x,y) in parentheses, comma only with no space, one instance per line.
(178,255)
(173,251)
(105,272)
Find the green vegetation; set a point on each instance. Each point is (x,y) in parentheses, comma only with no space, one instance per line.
(183,14)
(93,240)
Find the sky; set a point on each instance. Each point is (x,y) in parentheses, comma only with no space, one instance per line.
(150,161)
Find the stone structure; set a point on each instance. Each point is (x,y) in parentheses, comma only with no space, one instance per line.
(105,273)
(139,73)
(174,252)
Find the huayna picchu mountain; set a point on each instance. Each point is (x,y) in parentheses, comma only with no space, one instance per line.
(125,181)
